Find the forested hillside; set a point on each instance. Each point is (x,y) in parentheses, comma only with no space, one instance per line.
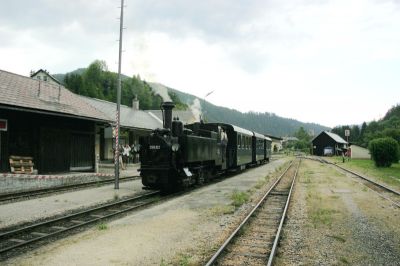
(267,123)
(388,126)
(97,82)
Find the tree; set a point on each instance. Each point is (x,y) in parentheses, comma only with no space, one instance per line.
(355,134)
(92,79)
(302,135)
(74,83)
(178,104)
(384,151)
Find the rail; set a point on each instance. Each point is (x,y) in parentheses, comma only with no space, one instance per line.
(272,193)
(13,239)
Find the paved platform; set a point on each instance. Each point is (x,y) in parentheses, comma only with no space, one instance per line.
(29,210)
(20,182)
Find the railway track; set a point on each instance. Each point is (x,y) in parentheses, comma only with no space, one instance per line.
(12,240)
(255,240)
(383,191)
(51,190)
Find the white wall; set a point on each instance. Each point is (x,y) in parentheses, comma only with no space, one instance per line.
(358,152)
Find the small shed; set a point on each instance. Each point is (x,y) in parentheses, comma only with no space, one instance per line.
(276,145)
(358,152)
(328,143)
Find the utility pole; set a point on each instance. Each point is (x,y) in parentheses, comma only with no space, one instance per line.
(116,157)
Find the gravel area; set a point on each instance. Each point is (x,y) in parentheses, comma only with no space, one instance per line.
(184,230)
(334,220)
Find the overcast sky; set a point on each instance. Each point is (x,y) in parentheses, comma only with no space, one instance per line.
(331,62)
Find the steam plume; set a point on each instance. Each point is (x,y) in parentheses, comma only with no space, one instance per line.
(195,107)
(162,91)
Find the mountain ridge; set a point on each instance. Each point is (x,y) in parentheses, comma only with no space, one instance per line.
(266,123)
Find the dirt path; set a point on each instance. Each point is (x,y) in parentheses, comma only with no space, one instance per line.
(333,220)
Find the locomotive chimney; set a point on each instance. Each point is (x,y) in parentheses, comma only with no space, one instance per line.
(167,113)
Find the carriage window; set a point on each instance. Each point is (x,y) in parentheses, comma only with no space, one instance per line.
(238,141)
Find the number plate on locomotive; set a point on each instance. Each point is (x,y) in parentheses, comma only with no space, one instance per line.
(154,147)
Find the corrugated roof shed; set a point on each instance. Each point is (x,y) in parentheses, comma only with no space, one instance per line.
(24,92)
(130,118)
(336,137)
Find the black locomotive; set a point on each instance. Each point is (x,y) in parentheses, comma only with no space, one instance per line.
(178,156)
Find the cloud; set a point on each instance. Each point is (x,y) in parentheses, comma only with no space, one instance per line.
(275,56)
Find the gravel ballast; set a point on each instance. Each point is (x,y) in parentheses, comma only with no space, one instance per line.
(334,220)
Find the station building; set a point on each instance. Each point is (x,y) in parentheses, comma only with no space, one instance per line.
(60,130)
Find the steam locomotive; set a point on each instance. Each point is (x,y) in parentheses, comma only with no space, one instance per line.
(179,156)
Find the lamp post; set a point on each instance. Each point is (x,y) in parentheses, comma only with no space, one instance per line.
(204,100)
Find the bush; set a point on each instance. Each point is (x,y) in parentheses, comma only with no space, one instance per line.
(384,151)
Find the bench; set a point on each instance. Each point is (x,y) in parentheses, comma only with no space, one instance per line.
(21,164)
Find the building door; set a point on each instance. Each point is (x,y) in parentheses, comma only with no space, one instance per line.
(82,151)
(54,150)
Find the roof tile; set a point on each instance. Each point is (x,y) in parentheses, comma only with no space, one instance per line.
(21,91)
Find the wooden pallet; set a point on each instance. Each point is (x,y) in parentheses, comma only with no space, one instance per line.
(21,164)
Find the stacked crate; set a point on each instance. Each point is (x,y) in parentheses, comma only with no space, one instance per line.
(21,164)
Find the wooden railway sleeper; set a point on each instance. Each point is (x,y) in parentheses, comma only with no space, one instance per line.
(251,255)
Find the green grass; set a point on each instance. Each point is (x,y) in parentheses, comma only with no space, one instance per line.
(239,198)
(344,260)
(260,184)
(338,238)
(102,226)
(183,260)
(322,216)
(389,175)
(219,210)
